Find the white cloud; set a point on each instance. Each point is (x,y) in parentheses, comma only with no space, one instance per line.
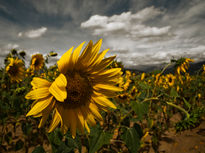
(131,25)
(151,36)
(20,34)
(33,33)
(11,46)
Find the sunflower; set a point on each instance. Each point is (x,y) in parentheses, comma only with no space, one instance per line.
(183,66)
(170,79)
(143,76)
(37,62)
(158,79)
(203,69)
(79,92)
(15,69)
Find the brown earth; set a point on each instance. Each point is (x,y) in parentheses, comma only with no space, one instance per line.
(189,141)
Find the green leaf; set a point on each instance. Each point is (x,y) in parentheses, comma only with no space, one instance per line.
(131,137)
(150,123)
(187,103)
(123,110)
(38,149)
(61,144)
(62,148)
(98,138)
(139,130)
(55,137)
(173,93)
(73,143)
(140,108)
(144,85)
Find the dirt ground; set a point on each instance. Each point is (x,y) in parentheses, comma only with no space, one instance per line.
(189,141)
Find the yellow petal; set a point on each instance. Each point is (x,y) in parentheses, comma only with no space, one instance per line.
(40,106)
(106,93)
(97,46)
(92,53)
(43,120)
(107,79)
(107,73)
(63,113)
(94,110)
(56,120)
(58,88)
(95,51)
(45,113)
(80,65)
(107,87)
(182,68)
(178,70)
(80,117)
(102,65)
(63,63)
(38,115)
(73,123)
(69,119)
(76,53)
(103,101)
(87,127)
(99,57)
(64,129)
(86,50)
(90,119)
(38,93)
(40,83)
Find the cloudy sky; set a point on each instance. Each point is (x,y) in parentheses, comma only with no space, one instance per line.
(139,32)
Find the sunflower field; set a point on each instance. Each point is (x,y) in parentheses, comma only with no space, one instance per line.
(88,103)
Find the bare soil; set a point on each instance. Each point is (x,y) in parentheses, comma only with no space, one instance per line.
(189,141)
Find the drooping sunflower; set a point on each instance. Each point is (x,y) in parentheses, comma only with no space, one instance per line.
(82,88)
(15,69)
(37,62)
(183,66)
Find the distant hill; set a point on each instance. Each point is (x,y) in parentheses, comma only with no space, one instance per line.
(194,67)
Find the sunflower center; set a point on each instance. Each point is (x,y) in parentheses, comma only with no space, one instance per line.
(78,89)
(36,62)
(170,80)
(13,70)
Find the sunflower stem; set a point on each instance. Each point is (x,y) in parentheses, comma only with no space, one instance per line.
(180,108)
(165,68)
(152,98)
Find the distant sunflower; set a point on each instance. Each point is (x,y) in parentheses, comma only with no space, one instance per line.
(157,79)
(82,88)
(170,79)
(143,76)
(15,69)
(203,69)
(37,62)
